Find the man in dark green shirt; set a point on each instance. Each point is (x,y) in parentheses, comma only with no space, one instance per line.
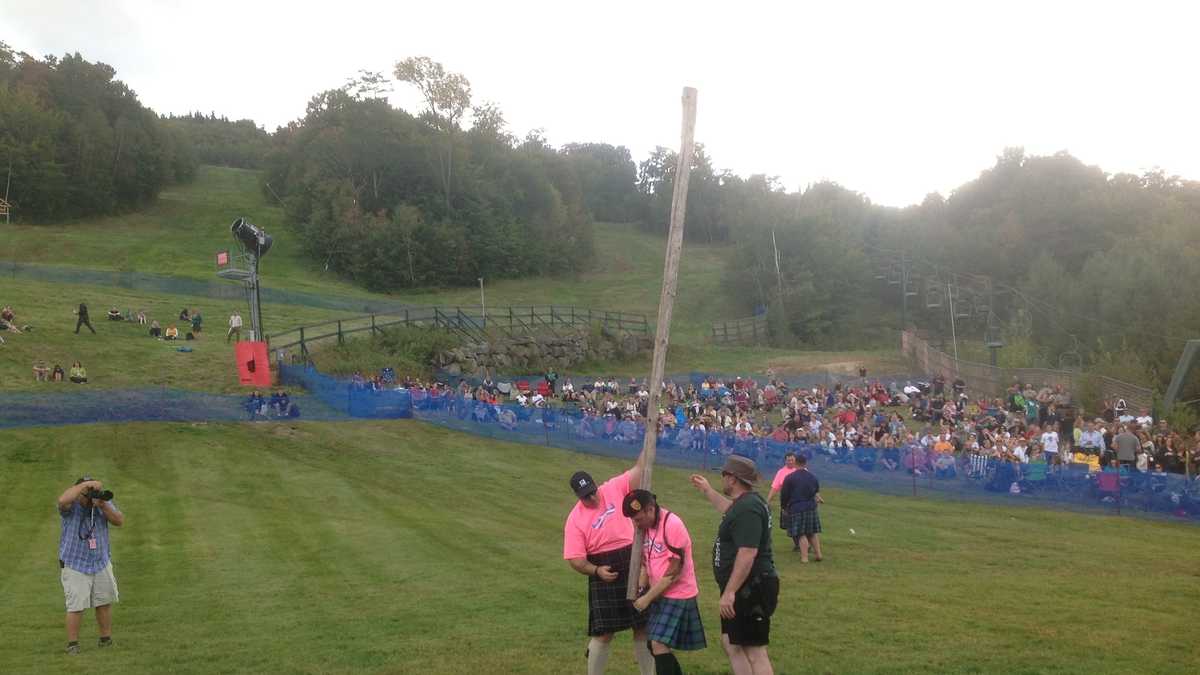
(743,565)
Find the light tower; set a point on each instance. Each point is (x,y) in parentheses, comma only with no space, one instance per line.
(253,243)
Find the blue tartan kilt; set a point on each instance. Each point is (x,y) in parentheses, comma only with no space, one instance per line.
(676,623)
(804,523)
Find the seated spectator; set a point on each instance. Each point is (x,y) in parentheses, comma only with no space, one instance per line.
(184,316)
(255,405)
(155,329)
(114,314)
(507,418)
(172,333)
(7,314)
(944,466)
(57,375)
(141,317)
(41,372)
(78,373)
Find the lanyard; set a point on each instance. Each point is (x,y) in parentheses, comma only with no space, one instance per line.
(91,526)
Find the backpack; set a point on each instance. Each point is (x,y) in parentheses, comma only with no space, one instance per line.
(673,549)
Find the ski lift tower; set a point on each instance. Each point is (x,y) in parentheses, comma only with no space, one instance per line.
(253,243)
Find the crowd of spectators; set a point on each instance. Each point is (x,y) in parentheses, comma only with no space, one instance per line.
(934,429)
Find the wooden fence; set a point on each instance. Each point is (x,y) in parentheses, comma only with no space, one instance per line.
(469,323)
(748,331)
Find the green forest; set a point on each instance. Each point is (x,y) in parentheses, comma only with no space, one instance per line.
(1062,262)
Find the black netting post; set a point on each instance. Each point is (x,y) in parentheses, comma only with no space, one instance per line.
(340,338)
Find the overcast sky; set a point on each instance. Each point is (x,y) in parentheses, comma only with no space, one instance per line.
(893,99)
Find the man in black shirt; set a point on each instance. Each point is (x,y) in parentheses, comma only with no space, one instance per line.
(743,565)
(83,319)
(800,494)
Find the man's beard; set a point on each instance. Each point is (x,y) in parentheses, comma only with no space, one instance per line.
(727,490)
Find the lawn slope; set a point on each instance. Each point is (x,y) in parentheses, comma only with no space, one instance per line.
(396,547)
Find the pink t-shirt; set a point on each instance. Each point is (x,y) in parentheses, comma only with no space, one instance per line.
(777,482)
(658,556)
(603,528)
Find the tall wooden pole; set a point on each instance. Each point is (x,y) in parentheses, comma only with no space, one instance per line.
(666,304)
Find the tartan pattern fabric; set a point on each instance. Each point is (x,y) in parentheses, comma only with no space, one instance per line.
(676,623)
(785,521)
(804,523)
(73,551)
(608,610)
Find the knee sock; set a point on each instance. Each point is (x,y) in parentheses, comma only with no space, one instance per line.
(667,664)
(597,656)
(646,661)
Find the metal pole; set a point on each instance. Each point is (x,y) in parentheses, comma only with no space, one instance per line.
(953,334)
(903,290)
(482,302)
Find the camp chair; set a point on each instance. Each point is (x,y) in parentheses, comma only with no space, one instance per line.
(523,386)
(505,388)
(543,388)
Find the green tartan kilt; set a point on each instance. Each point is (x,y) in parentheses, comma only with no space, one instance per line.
(785,521)
(676,623)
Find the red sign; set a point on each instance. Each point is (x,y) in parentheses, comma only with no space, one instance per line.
(253,367)
(222,258)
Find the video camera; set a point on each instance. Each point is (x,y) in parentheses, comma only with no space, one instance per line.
(102,495)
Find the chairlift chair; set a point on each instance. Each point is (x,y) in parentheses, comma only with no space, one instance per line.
(1071,359)
(962,304)
(933,294)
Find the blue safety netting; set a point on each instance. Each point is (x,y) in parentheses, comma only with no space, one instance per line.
(891,471)
(82,405)
(346,396)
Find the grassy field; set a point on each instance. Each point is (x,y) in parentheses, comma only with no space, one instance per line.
(123,354)
(395,547)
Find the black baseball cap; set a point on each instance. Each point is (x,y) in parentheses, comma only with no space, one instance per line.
(582,484)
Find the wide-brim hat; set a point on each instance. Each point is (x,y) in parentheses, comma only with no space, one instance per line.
(741,468)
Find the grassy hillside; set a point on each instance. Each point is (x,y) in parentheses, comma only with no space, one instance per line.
(401,548)
(122,354)
(181,232)
(179,235)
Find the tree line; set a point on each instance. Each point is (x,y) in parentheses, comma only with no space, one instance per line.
(75,141)
(396,200)
(220,141)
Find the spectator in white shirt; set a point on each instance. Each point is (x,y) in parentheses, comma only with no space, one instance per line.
(1050,441)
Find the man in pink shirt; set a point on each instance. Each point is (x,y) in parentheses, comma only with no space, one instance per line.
(669,577)
(598,543)
(789,467)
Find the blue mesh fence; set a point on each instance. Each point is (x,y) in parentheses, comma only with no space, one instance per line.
(890,471)
(210,288)
(875,469)
(87,406)
(345,396)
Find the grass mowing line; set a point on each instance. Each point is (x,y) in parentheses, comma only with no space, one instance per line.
(400,547)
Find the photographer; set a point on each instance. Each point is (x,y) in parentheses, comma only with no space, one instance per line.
(84,556)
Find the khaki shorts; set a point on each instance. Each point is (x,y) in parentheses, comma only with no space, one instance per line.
(84,591)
